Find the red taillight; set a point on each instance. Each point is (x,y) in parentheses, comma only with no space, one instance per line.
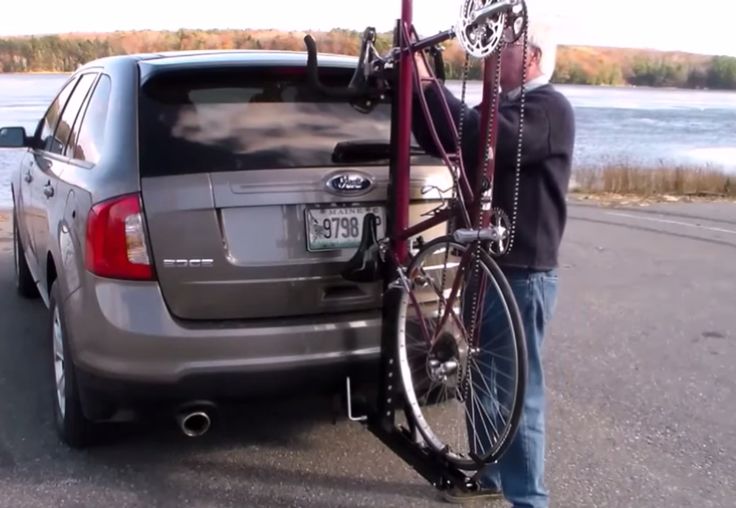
(116,241)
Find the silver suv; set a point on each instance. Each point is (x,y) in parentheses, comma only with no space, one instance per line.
(186,216)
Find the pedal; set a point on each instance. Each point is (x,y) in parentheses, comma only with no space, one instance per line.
(466,236)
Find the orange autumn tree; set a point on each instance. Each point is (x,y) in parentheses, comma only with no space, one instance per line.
(580,65)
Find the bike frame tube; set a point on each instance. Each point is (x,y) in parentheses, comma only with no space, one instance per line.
(402,150)
(435,220)
(462,269)
(433,40)
(465,194)
(489,133)
(381,419)
(470,194)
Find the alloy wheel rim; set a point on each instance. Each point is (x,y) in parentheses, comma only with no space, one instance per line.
(58,346)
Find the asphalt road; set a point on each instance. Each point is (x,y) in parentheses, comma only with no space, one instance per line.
(641,370)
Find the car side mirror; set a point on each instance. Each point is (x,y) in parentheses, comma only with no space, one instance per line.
(13,137)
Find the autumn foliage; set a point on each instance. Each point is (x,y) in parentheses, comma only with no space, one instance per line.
(578,65)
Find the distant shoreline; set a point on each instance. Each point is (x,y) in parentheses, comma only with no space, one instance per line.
(622,86)
(590,65)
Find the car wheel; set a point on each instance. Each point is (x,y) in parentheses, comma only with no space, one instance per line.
(71,425)
(24,283)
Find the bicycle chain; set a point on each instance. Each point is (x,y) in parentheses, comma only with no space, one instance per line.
(455,171)
(465,380)
(520,140)
(489,193)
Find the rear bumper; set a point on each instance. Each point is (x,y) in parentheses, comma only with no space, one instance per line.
(124,341)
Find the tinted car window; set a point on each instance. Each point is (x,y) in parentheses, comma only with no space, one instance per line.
(71,110)
(208,121)
(87,140)
(45,132)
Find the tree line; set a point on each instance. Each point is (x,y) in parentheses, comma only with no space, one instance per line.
(718,73)
(65,53)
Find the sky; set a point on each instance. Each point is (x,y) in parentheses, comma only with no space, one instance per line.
(684,25)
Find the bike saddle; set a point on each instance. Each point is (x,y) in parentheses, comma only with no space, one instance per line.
(365,265)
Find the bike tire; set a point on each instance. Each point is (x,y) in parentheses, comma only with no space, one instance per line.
(417,385)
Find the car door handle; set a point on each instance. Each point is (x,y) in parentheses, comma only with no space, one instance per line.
(48,190)
(28,177)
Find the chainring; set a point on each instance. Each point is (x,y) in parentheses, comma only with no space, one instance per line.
(516,22)
(479,39)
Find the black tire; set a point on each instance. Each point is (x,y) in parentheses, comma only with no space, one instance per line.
(24,284)
(72,426)
(429,376)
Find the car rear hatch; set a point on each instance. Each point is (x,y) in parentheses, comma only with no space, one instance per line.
(254,190)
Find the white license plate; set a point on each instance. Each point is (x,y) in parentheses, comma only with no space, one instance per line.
(339,227)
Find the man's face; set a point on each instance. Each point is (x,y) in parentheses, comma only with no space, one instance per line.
(512,62)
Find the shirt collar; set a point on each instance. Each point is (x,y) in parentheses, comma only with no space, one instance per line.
(530,85)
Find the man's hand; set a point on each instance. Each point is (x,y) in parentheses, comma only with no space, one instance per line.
(422,68)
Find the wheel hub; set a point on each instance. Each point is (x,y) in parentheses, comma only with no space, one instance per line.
(446,360)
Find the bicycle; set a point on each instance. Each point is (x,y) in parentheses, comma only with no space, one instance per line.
(433,358)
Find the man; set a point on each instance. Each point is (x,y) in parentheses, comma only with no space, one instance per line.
(531,266)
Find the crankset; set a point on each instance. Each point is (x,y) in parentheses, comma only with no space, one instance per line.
(484,24)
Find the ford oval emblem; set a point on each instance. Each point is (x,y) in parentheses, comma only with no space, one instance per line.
(349,184)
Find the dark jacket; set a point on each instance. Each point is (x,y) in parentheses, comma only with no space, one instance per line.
(549,134)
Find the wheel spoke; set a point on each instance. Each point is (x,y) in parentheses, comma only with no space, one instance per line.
(491,438)
(496,371)
(455,400)
(451,311)
(453,293)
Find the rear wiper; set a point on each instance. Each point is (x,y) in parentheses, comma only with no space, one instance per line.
(366,150)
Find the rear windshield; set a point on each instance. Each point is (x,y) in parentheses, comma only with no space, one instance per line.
(253,119)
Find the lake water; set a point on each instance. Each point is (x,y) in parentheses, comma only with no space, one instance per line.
(642,126)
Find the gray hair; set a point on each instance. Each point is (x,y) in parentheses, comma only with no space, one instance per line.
(541,36)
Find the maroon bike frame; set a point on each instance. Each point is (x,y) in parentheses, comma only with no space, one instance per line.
(381,420)
(409,86)
(469,196)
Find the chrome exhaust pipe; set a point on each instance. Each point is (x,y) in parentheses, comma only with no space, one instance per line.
(194,423)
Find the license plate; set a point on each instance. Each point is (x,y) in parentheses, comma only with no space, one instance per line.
(339,227)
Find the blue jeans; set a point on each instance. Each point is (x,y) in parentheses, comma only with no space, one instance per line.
(520,471)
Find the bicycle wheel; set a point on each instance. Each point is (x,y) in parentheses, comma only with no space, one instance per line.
(464,384)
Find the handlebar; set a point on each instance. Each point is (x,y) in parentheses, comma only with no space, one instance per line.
(313,75)
(364,84)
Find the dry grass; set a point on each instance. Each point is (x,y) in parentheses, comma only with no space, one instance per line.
(626,179)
